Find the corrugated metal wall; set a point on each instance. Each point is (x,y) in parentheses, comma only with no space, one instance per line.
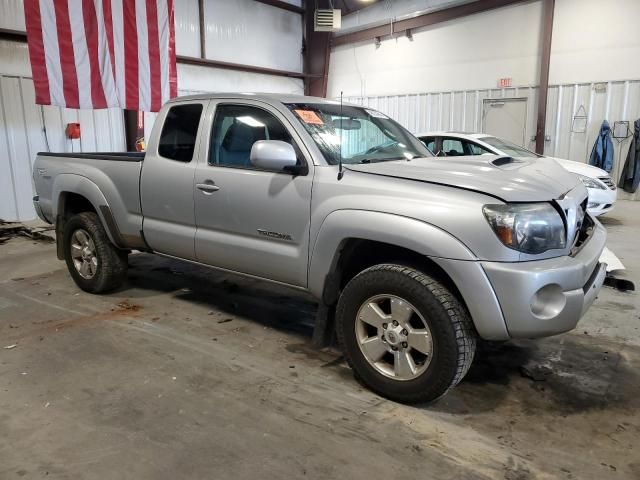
(22,135)
(12,14)
(462,111)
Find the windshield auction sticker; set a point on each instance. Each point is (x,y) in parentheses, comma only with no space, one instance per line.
(310,117)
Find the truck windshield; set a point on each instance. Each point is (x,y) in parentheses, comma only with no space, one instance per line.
(359,135)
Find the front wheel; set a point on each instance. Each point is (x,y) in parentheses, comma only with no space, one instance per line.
(94,263)
(405,335)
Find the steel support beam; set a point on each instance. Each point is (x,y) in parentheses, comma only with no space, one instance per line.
(13,35)
(205,62)
(130,129)
(543,84)
(394,28)
(203,52)
(317,48)
(282,5)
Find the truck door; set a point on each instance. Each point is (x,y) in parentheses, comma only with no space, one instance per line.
(166,184)
(250,220)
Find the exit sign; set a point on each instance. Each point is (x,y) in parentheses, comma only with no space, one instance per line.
(504,82)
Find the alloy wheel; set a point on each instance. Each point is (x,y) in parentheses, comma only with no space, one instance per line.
(394,337)
(83,254)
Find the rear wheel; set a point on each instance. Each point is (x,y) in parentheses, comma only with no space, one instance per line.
(94,263)
(404,334)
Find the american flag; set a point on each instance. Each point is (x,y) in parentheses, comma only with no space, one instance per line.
(102,53)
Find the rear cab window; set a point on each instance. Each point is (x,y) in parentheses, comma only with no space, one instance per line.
(179,132)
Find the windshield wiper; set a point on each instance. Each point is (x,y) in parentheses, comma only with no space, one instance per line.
(378,160)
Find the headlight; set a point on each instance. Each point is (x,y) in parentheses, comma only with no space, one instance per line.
(591,182)
(527,227)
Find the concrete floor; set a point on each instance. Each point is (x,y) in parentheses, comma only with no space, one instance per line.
(187,373)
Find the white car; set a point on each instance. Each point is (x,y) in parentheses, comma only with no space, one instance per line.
(602,189)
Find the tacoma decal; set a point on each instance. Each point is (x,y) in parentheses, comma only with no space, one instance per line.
(279,236)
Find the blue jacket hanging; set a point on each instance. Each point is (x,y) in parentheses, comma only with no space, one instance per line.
(630,177)
(602,152)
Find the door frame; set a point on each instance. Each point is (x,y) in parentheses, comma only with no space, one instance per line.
(487,101)
(204,166)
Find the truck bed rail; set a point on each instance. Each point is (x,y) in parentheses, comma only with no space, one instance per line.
(113,156)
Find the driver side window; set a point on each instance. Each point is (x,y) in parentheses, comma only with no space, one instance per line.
(236,128)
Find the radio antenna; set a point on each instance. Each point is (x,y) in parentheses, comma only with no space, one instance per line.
(340,171)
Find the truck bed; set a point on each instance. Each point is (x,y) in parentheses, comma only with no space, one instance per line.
(108,180)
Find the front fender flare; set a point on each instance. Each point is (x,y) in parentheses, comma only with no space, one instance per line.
(409,233)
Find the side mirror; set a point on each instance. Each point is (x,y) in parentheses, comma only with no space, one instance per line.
(273,155)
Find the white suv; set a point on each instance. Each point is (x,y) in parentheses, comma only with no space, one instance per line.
(602,189)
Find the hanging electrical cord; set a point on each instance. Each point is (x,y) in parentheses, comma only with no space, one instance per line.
(44,128)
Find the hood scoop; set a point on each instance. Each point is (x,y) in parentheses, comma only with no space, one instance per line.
(502,161)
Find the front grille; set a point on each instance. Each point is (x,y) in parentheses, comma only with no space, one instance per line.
(608,182)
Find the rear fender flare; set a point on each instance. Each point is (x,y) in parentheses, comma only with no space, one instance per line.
(80,185)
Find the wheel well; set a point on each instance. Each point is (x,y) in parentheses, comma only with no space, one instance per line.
(356,255)
(73,203)
(69,204)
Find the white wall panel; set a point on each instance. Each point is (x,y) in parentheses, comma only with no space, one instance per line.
(593,41)
(187,27)
(22,136)
(252,33)
(468,53)
(388,10)
(14,59)
(462,111)
(12,14)
(206,79)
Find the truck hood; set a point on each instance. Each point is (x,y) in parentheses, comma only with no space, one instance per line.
(512,180)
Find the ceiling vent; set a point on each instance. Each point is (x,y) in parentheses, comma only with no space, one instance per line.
(328,20)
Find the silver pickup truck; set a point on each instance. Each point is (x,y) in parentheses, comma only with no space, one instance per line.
(411,257)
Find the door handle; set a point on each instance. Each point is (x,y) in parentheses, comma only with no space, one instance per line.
(207,187)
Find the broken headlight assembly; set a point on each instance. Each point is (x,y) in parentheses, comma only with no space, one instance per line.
(527,227)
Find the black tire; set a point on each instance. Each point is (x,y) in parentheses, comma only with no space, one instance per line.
(452,333)
(111,270)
